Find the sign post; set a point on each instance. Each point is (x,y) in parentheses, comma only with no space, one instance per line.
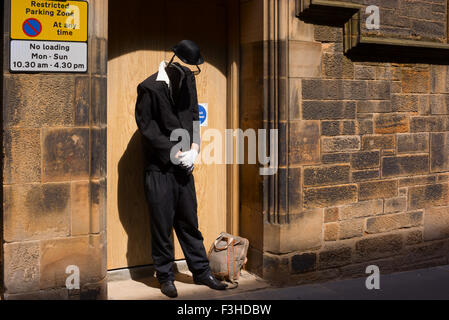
(48,36)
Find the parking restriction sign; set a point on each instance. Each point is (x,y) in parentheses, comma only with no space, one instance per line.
(49,36)
(60,20)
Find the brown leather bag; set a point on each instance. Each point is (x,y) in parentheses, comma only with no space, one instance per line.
(227,257)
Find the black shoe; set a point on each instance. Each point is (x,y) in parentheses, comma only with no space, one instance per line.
(168,288)
(210,281)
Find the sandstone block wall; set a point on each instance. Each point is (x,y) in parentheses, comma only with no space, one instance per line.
(409,19)
(363,154)
(54,174)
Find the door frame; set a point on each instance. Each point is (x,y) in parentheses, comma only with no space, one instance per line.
(2,160)
(232,122)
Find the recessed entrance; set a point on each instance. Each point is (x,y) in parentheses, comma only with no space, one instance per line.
(141,34)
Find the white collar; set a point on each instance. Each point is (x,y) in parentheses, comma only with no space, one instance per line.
(162,74)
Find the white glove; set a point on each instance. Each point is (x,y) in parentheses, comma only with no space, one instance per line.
(188,158)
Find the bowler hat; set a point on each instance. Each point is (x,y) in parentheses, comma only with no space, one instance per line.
(188,52)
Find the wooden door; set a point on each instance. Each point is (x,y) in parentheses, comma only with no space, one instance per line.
(141,34)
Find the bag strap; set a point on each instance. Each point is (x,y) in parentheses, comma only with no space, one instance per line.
(234,284)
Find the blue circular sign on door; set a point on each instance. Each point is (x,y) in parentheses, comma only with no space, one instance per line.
(32,27)
(203,114)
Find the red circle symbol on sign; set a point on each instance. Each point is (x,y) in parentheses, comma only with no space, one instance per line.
(32,27)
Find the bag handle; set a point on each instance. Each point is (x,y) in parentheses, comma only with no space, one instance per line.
(230,240)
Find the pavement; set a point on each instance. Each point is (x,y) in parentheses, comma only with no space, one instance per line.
(422,284)
(147,288)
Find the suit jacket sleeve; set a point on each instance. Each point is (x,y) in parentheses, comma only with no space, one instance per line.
(196,119)
(149,128)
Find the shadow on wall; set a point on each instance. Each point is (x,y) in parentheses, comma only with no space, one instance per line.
(159,25)
(132,206)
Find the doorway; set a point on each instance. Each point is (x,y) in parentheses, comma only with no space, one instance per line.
(141,34)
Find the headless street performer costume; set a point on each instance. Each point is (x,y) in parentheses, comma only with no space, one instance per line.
(170,188)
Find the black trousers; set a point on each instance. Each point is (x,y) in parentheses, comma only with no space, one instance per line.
(172,200)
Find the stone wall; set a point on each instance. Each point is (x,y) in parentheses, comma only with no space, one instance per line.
(54,169)
(410,19)
(369,143)
(399,19)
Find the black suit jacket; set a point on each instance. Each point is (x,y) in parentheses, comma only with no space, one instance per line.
(157,115)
